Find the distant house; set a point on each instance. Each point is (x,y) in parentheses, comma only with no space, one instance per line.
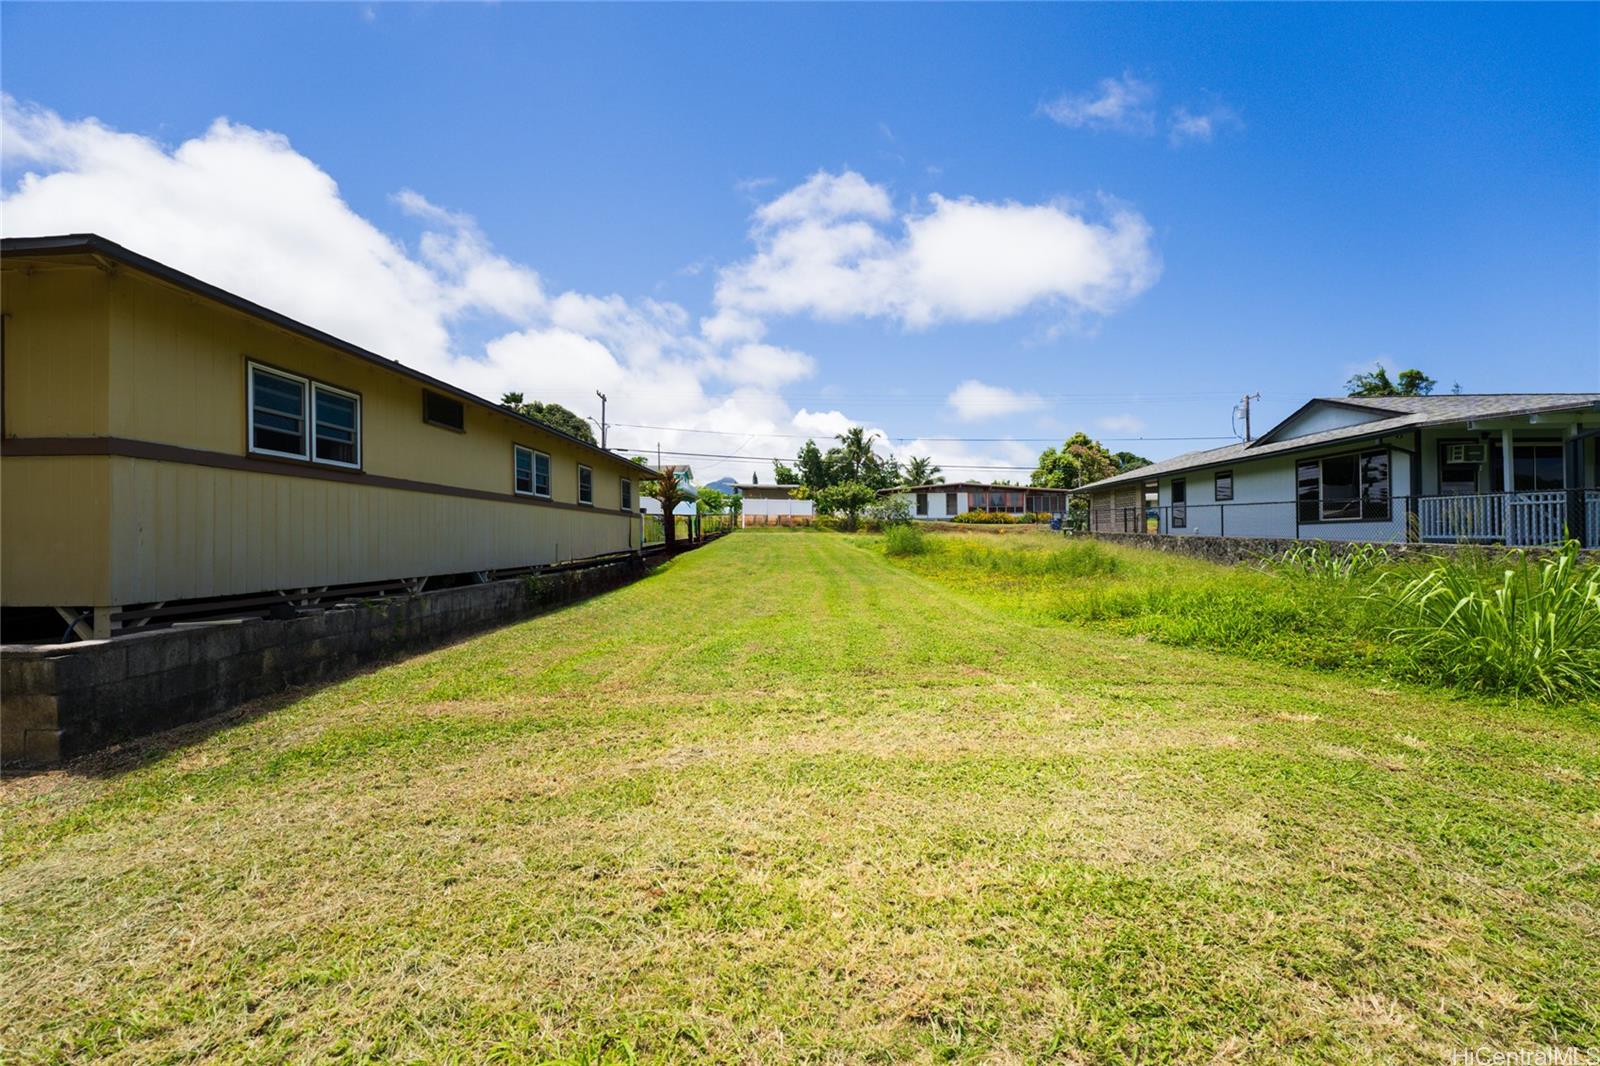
(772,505)
(1516,469)
(946,500)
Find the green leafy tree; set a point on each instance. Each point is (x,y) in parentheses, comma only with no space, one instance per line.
(1078,461)
(712,501)
(813,467)
(1127,461)
(845,500)
(853,459)
(920,470)
(784,474)
(1377,383)
(551,414)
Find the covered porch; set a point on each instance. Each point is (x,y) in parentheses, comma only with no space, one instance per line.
(1525,483)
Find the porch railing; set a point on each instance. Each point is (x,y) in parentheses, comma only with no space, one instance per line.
(1480,518)
(1520,519)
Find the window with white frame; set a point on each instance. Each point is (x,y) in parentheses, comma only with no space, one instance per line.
(541,475)
(627,495)
(336,425)
(277,413)
(522,470)
(585,485)
(296,418)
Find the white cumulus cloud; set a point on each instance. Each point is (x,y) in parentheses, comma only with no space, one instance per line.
(963,259)
(973,400)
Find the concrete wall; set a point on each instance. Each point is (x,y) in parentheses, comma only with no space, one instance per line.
(1230,550)
(57,701)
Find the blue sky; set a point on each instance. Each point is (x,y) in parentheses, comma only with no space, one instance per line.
(1204,200)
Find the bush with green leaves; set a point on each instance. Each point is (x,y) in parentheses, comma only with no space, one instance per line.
(904,539)
(888,511)
(1510,624)
(991,518)
(845,501)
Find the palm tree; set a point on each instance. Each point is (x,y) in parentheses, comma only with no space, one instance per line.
(671,490)
(856,445)
(921,471)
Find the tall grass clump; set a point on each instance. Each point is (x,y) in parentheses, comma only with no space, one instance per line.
(1076,558)
(1317,560)
(1517,625)
(904,539)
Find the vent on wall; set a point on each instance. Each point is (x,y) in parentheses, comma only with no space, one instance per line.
(444,412)
(1464,453)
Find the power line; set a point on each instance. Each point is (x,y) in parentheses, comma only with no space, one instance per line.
(906,437)
(779,459)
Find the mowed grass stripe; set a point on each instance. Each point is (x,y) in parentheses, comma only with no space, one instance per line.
(784,801)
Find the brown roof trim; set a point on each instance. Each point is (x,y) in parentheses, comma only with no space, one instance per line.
(128,448)
(94,244)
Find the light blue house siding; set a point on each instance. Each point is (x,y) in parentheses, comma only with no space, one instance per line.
(1514,469)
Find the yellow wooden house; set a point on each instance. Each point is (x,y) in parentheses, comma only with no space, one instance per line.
(168,443)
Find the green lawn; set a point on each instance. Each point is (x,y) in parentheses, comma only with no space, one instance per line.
(788,800)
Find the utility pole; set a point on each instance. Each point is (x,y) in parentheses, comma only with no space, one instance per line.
(1245,402)
(602,396)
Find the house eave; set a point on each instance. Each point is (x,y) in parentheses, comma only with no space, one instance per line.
(100,248)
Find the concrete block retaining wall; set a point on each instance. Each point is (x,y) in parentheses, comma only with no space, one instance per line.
(1231,550)
(61,700)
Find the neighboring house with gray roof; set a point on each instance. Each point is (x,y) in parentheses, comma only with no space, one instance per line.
(1505,468)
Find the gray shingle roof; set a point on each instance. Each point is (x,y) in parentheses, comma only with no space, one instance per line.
(1409,412)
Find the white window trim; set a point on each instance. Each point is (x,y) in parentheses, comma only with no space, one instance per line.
(549,471)
(533,471)
(581,501)
(627,502)
(306,429)
(311,424)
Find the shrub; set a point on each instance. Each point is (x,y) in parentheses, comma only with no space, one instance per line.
(904,539)
(990,518)
(1513,625)
(845,501)
(887,511)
